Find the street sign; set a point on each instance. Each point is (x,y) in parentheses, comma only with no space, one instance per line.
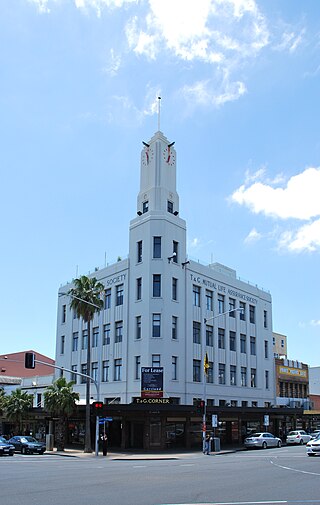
(105,419)
(214,421)
(266,420)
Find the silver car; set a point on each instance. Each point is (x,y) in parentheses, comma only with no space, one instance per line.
(313,446)
(262,440)
(298,437)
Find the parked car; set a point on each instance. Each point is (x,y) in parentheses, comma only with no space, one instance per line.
(27,445)
(5,447)
(262,440)
(313,446)
(297,437)
(315,433)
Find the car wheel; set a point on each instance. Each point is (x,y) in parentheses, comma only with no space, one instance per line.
(279,444)
(23,450)
(301,441)
(11,454)
(264,445)
(310,454)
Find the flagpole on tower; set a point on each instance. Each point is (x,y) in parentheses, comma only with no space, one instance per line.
(159,100)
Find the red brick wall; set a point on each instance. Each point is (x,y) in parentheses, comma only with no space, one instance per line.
(13,366)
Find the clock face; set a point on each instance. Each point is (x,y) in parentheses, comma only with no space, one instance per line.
(169,156)
(147,156)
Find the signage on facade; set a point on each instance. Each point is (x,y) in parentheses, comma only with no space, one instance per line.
(222,289)
(214,421)
(153,401)
(293,372)
(151,382)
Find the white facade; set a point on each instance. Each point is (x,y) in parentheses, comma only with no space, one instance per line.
(156,304)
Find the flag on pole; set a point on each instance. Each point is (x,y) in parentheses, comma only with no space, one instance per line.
(206,364)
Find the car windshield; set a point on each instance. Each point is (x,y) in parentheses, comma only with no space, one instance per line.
(28,439)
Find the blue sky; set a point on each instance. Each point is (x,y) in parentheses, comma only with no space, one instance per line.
(239,81)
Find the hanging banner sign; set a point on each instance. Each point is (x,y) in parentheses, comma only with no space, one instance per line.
(151,382)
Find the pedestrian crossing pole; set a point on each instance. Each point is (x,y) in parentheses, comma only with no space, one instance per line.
(204,417)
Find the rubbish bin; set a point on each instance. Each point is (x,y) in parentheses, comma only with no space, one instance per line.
(216,444)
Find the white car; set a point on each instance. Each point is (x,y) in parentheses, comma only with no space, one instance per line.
(297,437)
(315,433)
(313,446)
(262,440)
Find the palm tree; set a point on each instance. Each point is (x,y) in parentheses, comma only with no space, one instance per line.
(86,301)
(17,406)
(60,401)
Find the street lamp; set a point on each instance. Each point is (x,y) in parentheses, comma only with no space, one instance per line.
(206,367)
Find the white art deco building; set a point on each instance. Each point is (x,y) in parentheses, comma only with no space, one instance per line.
(163,310)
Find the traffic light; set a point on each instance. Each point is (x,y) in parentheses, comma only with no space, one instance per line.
(200,407)
(97,408)
(29,360)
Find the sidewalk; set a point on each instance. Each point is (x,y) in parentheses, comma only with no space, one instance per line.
(140,456)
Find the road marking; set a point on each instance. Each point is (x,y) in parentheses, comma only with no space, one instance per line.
(294,469)
(274,502)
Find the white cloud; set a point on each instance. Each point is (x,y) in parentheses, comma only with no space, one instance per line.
(299,199)
(253,236)
(306,238)
(113,65)
(290,41)
(42,5)
(315,322)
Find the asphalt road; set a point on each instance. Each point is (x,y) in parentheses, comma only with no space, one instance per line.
(273,476)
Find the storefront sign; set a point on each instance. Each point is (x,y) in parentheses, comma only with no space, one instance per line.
(152,401)
(293,372)
(151,382)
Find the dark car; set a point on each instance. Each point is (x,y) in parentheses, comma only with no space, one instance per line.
(27,445)
(5,447)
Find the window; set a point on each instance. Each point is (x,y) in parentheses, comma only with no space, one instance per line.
(209,300)
(75,341)
(174,288)
(232,306)
(62,342)
(252,314)
(64,313)
(265,319)
(209,336)
(273,340)
(157,247)
(139,288)
(170,206)
(221,338)
(119,330)
(74,368)
(139,251)
(94,370)
(242,306)
(156,325)
(174,328)
(282,343)
(244,403)
(243,343)
(145,207)
(234,403)
(107,298)
(266,376)
(174,368)
(196,295)
(156,289)
(210,373)
(221,303)
(222,373)
(84,370)
(266,349)
(95,336)
(175,247)
(253,346)
(196,370)
(155,360)
(254,404)
(105,371)
(138,327)
(106,334)
(232,340)
(74,314)
(243,376)
(196,332)
(119,295)
(137,367)
(84,339)
(253,382)
(117,369)
(233,375)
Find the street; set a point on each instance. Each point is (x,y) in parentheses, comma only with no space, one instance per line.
(284,475)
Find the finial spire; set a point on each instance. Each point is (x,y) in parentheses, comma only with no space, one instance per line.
(159,100)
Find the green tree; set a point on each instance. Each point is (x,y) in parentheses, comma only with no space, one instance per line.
(2,400)
(60,401)
(86,301)
(17,406)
